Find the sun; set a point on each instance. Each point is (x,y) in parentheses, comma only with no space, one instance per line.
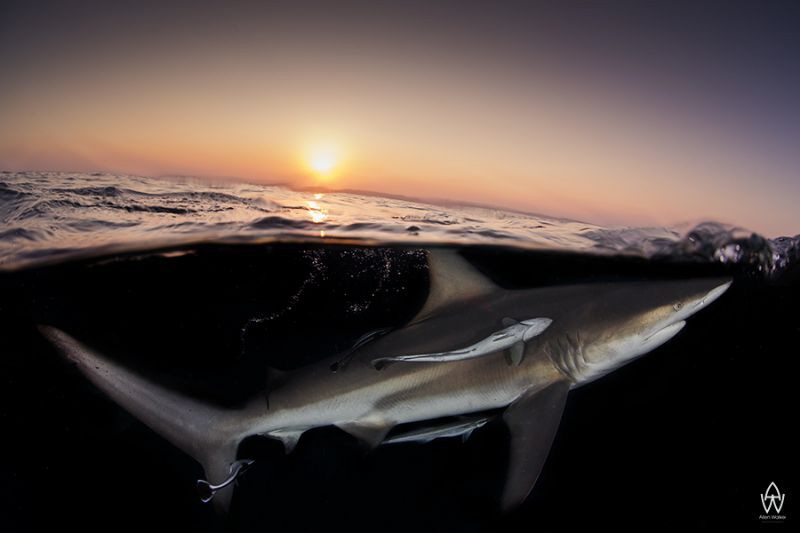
(323,160)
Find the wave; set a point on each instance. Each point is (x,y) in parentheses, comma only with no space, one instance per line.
(54,216)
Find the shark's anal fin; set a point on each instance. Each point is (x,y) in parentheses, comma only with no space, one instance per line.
(289,438)
(370,432)
(452,278)
(532,422)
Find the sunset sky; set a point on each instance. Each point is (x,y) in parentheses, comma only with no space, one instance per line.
(633,114)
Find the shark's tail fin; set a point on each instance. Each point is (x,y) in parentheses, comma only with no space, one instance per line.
(201,430)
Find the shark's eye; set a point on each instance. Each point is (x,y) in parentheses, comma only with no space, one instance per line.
(677,306)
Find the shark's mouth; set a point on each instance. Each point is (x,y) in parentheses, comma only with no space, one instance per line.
(664,334)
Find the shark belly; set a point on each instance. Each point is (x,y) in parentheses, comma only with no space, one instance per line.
(400,394)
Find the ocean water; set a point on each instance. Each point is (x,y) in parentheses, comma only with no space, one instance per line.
(203,286)
(50,216)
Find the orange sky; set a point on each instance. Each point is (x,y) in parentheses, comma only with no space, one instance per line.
(440,115)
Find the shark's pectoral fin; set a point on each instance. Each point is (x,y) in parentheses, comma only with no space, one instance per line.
(370,432)
(532,421)
(508,322)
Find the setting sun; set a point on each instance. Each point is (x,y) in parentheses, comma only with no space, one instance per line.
(323,160)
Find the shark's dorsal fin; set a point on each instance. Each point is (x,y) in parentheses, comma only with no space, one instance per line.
(532,421)
(452,278)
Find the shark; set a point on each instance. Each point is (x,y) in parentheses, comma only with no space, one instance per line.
(562,337)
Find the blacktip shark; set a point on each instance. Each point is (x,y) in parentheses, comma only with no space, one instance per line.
(585,332)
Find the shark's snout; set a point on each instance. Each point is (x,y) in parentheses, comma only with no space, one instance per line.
(640,319)
(711,291)
(716,292)
(705,294)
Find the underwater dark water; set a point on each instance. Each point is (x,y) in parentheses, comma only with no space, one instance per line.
(689,435)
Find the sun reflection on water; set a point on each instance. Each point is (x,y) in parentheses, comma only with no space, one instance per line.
(317,213)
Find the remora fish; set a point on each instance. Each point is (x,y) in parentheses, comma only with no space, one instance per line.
(595,329)
(460,428)
(513,337)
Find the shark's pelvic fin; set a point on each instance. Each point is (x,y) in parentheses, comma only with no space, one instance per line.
(197,428)
(452,278)
(532,422)
(370,432)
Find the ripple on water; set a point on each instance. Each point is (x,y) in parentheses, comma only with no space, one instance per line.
(50,214)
